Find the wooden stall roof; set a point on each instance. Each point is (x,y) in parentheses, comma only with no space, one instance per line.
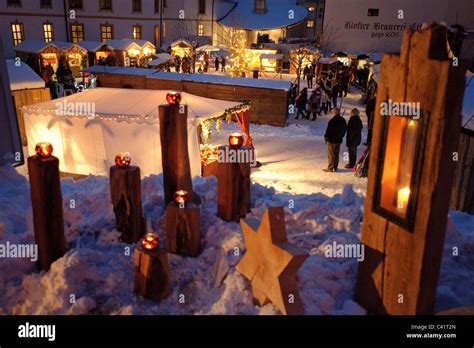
(125,44)
(23,77)
(37,46)
(95,46)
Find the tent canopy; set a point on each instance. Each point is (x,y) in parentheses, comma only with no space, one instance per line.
(102,122)
(133,105)
(22,76)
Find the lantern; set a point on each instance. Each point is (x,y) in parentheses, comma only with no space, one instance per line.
(398,169)
(150,241)
(236,140)
(173,98)
(44,150)
(123,159)
(181,197)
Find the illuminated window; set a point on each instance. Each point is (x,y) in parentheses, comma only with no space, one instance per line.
(105,5)
(311,9)
(106,32)
(48,32)
(310,24)
(77,32)
(260,6)
(137,5)
(137,32)
(200,29)
(18,33)
(398,169)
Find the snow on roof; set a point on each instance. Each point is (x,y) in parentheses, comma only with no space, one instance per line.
(180,42)
(327,60)
(32,46)
(243,15)
(224,80)
(158,61)
(94,46)
(22,76)
(100,69)
(124,44)
(271,56)
(203,78)
(137,105)
(468,103)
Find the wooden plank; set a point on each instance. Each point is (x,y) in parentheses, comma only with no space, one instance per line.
(152,273)
(47,204)
(183,231)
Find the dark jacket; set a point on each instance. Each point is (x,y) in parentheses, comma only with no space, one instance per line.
(302,99)
(354,131)
(336,130)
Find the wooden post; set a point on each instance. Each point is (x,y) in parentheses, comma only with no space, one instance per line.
(125,191)
(401,267)
(233,189)
(174,152)
(183,232)
(47,203)
(152,273)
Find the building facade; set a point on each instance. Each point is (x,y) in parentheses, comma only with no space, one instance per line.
(378,26)
(158,21)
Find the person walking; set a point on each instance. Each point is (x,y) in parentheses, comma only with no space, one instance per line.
(309,77)
(206,62)
(325,102)
(334,94)
(334,135)
(305,73)
(353,137)
(301,101)
(314,101)
(178,64)
(216,64)
(223,64)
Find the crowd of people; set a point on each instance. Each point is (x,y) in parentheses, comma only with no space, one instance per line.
(60,82)
(185,64)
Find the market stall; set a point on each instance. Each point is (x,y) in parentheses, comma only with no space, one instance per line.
(106,121)
(97,51)
(271,62)
(132,52)
(181,48)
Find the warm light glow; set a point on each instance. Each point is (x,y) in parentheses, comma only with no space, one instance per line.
(402,197)
(147,51)
(44,150)
(173,98)
(150,241)
(133,52)
(412,123)
(236,140)
(181,197)
(123,159)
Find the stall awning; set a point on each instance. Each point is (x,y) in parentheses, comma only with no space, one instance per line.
(23,77)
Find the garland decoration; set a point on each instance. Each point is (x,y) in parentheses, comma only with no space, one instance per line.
(216,122)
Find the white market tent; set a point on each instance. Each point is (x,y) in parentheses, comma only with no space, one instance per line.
(102,122)
(22,76)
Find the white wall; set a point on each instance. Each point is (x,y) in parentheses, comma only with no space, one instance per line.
(340,14)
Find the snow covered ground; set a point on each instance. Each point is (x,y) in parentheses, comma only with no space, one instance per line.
(321,208)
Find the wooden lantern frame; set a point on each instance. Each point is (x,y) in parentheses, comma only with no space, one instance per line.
(408,221)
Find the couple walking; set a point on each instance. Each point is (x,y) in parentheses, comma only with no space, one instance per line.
(334,136)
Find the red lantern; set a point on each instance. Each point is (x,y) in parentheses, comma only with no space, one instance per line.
(123,159)
(181,197)
(173,98)
(236,140)
(44,150)
(150,241)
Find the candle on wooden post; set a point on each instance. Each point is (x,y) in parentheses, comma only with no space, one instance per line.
(46,201)
(183,230)
(236,140)
(152,274)
(125,191)
(233,184)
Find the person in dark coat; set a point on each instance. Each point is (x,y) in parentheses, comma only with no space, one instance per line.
(178,64)
(223,64)
(301,101)
(353,137)
(369,111)
(334,135)
(314,102)
(216,63)
(309,76)
(334,94)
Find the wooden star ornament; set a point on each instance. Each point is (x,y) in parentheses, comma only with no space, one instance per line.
(271,263)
